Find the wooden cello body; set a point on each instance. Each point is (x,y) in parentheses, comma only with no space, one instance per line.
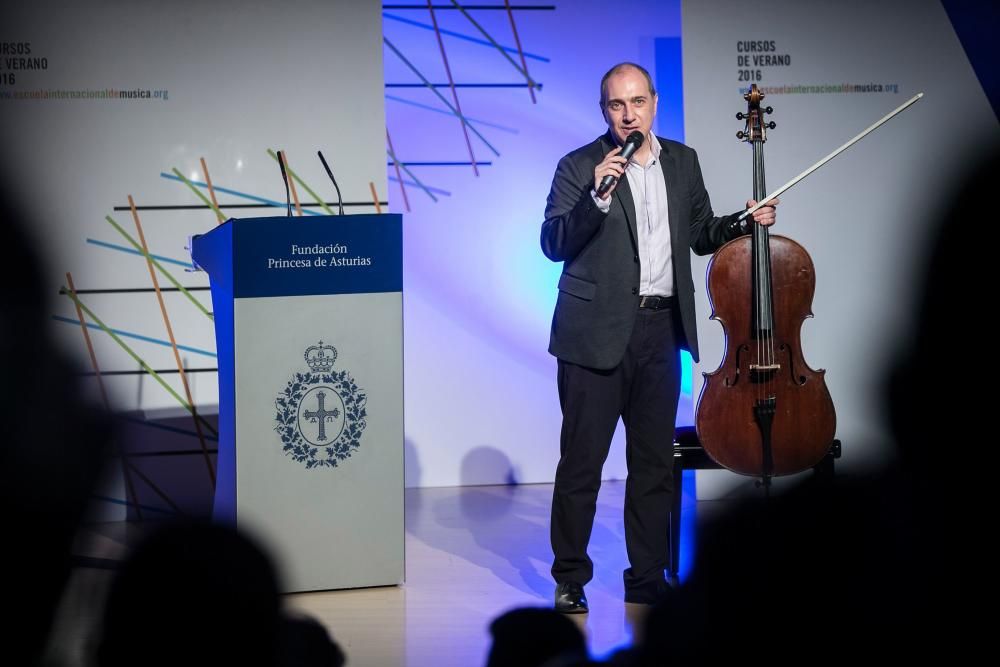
(764,411)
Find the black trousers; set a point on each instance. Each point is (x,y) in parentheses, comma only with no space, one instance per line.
(643,390)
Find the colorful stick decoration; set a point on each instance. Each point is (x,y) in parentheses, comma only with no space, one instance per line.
(184,179)
(399,176)
(129,484)
(211,192)
(173,342)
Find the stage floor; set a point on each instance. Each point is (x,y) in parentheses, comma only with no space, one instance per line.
(471,554)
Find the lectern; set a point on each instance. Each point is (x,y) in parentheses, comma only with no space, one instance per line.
(309,327)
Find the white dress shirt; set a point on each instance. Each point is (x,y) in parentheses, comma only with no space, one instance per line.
(649,195)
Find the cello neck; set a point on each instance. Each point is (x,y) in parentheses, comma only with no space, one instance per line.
(763,307)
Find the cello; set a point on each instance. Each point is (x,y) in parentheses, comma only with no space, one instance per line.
(764,412)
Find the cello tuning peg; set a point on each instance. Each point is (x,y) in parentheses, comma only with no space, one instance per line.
(740,135)
(740,115)
(769,110)
(771,125)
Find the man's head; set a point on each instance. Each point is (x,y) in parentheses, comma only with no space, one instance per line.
(628,101)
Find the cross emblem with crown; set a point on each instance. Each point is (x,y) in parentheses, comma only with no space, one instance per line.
(322,413)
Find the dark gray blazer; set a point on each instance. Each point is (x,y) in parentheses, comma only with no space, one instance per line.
(599,286)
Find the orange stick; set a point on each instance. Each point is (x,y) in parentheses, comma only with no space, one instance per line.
(454,93)
(173,342)
(517,40)
(211,191)
(378,207)
(129,485)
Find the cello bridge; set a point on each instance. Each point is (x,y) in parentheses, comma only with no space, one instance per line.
(765,368)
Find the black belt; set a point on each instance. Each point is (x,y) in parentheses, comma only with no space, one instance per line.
(657,302)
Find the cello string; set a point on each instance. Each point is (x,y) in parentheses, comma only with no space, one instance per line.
(768,283)
(753,258)
(763,319)
(761,360)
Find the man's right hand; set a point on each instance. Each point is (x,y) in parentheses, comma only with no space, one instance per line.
(613,164)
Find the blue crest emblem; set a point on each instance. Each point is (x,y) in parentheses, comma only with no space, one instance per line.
(321,414)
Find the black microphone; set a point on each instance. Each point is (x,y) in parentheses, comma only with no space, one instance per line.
(632,144)
(340,199)
(284,177)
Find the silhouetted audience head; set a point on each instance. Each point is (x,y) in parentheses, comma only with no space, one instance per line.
(202,593)
(531,637)
(53,447)
(304,642)
(192,592)
(821,569)
(940,390)
(884,565)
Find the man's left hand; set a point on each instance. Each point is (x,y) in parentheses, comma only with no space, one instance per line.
(765,214)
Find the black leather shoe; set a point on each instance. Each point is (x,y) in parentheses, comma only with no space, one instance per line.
(650,593)
(570,598)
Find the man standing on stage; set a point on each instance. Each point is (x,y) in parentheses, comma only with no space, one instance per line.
(625,309)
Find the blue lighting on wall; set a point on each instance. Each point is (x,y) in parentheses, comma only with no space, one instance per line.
(472,260)
(669,79)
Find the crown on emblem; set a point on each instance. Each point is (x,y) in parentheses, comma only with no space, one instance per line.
(320,357)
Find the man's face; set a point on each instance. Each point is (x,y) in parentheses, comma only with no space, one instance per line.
(628,105)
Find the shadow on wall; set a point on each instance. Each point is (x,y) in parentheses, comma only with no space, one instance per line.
(166,451)
(484,463)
